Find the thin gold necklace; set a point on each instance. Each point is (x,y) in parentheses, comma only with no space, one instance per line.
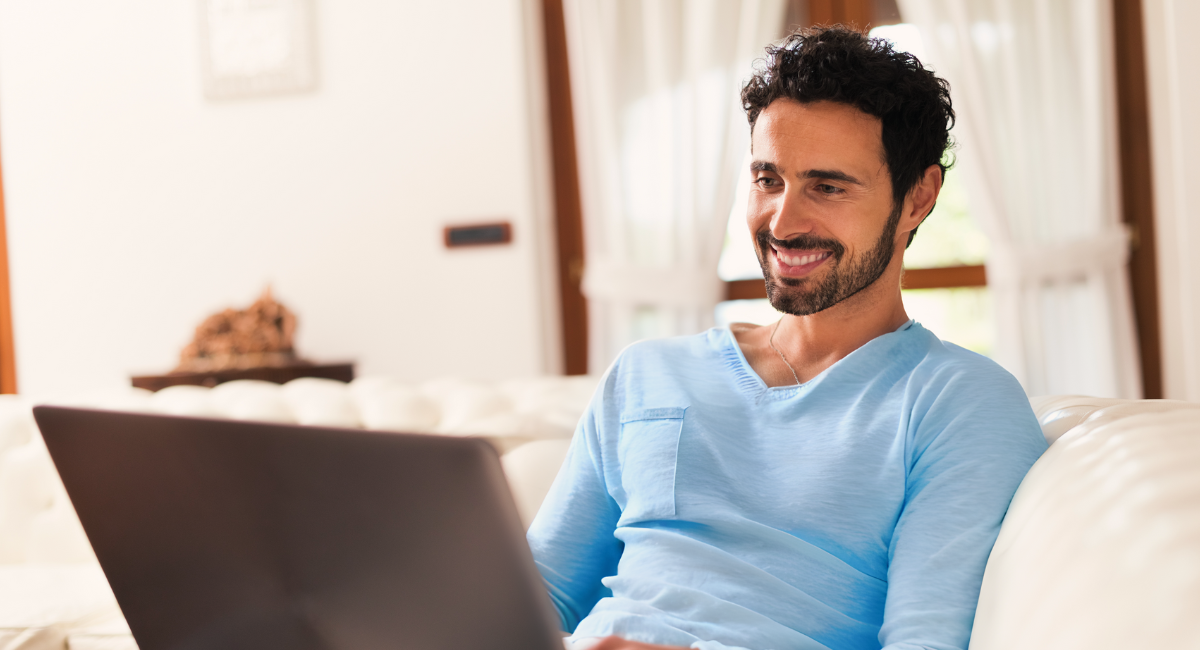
(771,342)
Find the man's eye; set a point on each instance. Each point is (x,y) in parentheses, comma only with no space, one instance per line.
(824,188)
(765,181)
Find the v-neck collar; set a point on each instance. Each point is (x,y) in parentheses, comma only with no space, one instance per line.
(751,382)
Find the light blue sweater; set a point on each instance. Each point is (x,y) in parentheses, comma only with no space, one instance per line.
(698,507)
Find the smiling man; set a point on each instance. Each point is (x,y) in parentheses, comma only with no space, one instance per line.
(836,479)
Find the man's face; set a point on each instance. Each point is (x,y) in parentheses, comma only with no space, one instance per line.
(821,208)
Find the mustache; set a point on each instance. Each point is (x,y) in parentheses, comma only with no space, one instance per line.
(804,241)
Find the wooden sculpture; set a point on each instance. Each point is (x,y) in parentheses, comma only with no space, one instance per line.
(259,336)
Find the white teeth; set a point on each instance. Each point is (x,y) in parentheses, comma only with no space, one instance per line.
(801,260)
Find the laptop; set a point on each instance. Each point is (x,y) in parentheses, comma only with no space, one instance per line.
(229,534)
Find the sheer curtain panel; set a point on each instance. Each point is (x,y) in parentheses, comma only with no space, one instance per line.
(661,135)
(1033,83)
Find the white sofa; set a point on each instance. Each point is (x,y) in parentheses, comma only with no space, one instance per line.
(1100,548)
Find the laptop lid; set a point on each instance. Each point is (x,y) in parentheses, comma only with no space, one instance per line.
(229,534)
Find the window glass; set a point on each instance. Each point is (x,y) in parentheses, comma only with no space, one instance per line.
(948,236)
(738,260)
(962,316)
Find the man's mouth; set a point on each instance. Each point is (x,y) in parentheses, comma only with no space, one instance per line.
(799,262)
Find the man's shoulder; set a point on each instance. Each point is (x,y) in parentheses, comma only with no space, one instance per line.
(674,349)
(669,364)
(973,398)
(948,361)
(948,376)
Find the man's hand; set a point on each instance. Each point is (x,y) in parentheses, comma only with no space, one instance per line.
(617,643)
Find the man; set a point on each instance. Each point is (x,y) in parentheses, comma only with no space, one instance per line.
(835,480)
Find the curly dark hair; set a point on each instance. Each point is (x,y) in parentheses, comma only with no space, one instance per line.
(843,65)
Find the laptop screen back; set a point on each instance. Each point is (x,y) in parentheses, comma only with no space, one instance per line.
(224,534)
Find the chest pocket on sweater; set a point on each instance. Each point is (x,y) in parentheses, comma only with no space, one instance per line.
(648,452)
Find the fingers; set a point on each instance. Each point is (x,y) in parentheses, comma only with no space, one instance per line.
(617,643)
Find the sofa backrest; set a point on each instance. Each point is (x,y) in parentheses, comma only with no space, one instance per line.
(1100,547)
(37,523)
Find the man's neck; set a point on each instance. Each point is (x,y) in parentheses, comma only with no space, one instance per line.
(812,343)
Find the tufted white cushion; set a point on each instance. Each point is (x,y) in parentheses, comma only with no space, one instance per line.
(248,399)
(321,402)
(16,423)
(464,403)
(1101,545)
(27,489)
(190,401)
(55,535)
(531,469)
(40,605)
(389,405)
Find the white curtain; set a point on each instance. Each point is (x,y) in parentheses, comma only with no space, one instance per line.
(1033,85)
(661,135)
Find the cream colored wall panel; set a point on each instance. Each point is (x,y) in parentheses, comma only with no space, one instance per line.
(136,206)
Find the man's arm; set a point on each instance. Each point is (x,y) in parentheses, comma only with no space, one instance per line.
(967,459)
(572,535)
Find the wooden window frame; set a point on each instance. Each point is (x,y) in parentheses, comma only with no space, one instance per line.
(8,361)
(568,208)
(944,277)
(1137,187)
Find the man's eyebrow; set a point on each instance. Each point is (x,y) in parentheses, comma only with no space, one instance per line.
(832,175)
(824,174)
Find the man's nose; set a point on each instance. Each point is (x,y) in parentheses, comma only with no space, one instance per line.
(791,218)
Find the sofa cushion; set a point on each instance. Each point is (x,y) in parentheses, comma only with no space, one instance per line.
(390,405)
(531,470)
(1101,545)
(188,401)
(248,399)
(42,604)
(28,487)
(321,403)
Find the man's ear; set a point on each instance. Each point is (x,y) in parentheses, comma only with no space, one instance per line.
(921,198)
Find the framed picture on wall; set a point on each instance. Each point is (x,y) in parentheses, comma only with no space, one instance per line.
(257,47)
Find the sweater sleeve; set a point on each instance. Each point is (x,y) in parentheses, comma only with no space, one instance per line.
(572,536)
(973,444)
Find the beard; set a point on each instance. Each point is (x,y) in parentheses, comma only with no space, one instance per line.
(806,296)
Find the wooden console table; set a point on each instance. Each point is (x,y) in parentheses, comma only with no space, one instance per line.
(278,375)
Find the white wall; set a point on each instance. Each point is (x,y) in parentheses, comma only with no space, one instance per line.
(136,207)
(1172,53)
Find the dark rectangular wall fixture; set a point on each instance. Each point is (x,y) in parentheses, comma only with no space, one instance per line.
(1137,188)
(480,234)
(568,211)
